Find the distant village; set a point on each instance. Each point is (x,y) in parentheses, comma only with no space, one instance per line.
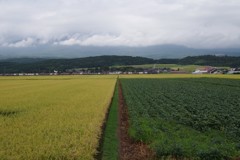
(131,70)
(215,70)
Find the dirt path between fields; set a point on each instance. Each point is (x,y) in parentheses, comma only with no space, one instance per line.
(129,149)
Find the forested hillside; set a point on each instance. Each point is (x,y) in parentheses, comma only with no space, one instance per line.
(42,65)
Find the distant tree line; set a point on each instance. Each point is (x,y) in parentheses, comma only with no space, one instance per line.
(104,62)
(210,60)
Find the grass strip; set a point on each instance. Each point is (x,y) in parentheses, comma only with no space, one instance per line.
(111,141)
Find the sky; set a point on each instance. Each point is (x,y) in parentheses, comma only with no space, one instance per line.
(192,23)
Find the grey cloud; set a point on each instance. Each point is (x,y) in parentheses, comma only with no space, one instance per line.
(23,43)
(198,23)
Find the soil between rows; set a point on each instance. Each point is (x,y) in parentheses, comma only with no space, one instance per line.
(129,149)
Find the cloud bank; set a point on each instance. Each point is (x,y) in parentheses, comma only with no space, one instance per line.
(193,23)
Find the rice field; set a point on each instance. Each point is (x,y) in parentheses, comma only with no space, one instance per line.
(52,117)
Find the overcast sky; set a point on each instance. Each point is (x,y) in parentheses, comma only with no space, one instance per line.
(193,23)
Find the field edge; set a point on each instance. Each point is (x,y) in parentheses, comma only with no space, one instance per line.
(129,148)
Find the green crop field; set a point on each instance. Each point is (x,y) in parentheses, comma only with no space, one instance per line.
(52,117)
(159,76)
(185,68)
(192,118)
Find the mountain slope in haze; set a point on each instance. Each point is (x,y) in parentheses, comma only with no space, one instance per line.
(76,51)
(177,51)
(23,60)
